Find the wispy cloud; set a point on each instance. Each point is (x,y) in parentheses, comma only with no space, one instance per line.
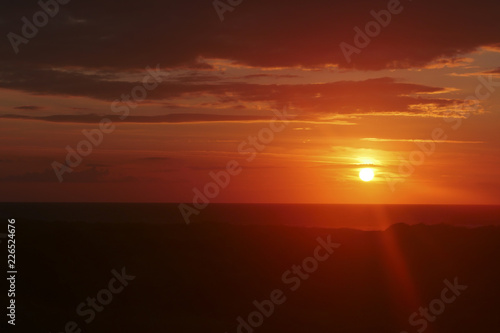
(420,140)
(29,107)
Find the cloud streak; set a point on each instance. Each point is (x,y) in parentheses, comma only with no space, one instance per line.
(368,96)
(29,107)
(420,140)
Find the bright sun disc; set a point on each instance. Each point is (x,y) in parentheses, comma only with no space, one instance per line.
(366,174)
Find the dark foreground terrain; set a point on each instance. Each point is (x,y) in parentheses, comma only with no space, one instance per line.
(201,278)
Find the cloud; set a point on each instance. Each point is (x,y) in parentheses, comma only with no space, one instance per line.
(275,76)
(201,66)
(420,140)
(57,82)
(368,96)
(494,71)
(171,118)
(156,159)
(195,77)
(88,175)
(259,33)
(450,62)
(374,95)
(96,165)
(29,107)
(48,176)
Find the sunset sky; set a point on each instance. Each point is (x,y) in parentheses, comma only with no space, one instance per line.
(223,81)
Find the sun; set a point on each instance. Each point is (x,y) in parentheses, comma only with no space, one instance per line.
(366,174)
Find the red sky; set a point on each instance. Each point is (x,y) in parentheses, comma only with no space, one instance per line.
(224,81)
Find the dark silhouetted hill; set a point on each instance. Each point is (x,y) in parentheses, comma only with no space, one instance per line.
(200,278)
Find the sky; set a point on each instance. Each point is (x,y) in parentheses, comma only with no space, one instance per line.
(286,101)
